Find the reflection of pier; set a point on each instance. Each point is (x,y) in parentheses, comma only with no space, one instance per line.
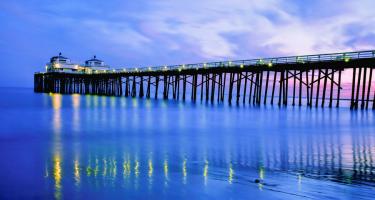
(314,80)
(344,158)
(321,162)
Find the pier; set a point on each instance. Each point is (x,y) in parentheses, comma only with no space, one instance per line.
(310,80)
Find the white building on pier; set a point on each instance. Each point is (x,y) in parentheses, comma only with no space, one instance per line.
(63,64)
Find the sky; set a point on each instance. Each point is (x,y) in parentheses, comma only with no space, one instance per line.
(161,32)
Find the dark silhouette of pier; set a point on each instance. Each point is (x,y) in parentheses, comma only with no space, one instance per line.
(312,80)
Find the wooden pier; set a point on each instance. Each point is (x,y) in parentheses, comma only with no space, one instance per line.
(311,80)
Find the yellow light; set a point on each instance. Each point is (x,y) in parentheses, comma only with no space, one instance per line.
(150,168)
(166,169)
(76,172)
(241,65)
(270,64)
(205,172)
(127,167)
(136,168)
(57,175)
(184,171)
(96,170)
(114,168)
(347,59)
(231,173)
(105,167)
(149,68)
(261,173)
(179,69)
(204,64)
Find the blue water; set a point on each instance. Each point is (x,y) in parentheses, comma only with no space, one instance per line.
(56,146)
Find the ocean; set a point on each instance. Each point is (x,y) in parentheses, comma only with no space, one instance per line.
(55,146)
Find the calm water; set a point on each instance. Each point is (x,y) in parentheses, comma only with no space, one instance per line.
(93,147)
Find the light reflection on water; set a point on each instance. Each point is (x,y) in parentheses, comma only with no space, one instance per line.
(123,147)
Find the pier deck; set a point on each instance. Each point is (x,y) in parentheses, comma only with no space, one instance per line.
(312,80)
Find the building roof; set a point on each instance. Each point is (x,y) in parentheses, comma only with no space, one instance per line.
(94,59)
(59,57)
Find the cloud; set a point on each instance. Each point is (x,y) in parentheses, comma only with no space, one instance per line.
(115,33)
(279,27)
(221,29)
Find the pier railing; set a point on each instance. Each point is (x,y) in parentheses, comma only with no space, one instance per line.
(270,62)
(345,56)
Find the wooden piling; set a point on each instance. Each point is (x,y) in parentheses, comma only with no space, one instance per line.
(157,78)
(318,89)
(239,77)
(245,88)
(369,88)
(358,87)
(231,77)
(331,89)
(338,90)
(184,88)
(213,83)
(364,88)
(266,89)
(273,86)
(353,89)
(312,87)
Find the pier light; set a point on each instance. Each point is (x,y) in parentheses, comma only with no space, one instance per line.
(136,69)
(270,64)
(347,59)
(113,70)
(241,66)
(165,67)
(183,66)
(204,65)
(230,63)
(46,67)
(149,68)
(179,69)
